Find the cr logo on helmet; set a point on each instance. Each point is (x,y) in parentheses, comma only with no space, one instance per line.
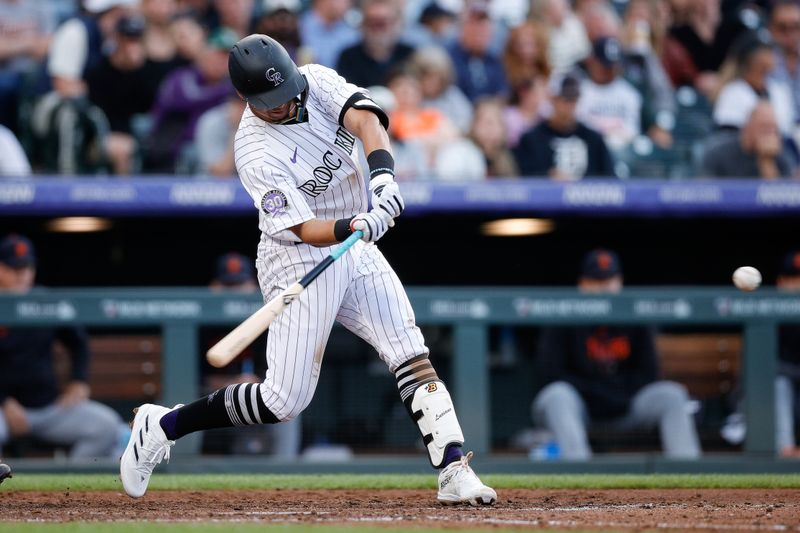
(274,76)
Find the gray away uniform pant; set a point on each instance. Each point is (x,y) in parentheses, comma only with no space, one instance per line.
(662,404)
(90,428)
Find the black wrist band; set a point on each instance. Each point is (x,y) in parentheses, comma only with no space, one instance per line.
(380,162)
(341,229)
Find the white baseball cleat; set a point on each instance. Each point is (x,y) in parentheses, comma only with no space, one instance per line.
(146,448)
(459,484)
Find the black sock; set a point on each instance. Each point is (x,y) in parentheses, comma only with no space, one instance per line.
(221,409)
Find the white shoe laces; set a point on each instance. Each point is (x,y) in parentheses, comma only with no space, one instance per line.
(461,466)
(155,454)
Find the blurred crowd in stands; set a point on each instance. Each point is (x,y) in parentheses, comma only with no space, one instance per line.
(475,89)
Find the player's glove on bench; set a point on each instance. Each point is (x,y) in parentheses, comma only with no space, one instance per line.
(373,225)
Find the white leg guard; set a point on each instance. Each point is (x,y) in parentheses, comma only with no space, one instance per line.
(435,415)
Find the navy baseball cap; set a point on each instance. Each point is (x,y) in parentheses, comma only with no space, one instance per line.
(567,87)
(131,26)
(233,269)
(791,264)
(17,252)
(601,264)
(607,50)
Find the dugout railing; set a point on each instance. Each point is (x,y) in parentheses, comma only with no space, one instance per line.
(469,311)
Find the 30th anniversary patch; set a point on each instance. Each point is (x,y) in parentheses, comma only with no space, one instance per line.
(274,203)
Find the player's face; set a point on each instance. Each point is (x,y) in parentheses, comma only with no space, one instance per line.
(16,279)
(276,114)
(610,285)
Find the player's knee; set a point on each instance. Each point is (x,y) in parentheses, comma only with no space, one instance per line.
(670,395)
(558,392)
(284,405)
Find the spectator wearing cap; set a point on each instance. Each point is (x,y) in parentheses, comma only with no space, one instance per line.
(607,376)
(235,274)
(30,400)
(756,151)
(561,147)
(123,85)
(479,72)
(436,24)
(183,97)
(280,21)
(380,50)
(326,30)
(641,66)
(78,44)
(67,127)
(609,104)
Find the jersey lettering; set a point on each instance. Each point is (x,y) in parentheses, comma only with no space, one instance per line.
(323,175)
(345,140)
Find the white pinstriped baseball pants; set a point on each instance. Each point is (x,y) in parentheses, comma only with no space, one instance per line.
(360,290)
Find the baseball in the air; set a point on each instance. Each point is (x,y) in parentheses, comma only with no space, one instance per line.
(747,278)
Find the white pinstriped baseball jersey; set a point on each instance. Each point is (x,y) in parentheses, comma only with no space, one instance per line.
(294,173)
(301,171)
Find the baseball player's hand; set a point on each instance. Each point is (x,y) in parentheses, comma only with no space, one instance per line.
(386,196)
(74,393)
(373,225)
(15,416)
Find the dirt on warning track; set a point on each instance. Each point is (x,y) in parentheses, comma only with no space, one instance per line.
(673,509)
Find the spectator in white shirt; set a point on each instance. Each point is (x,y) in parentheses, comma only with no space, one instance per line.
(13,161)
(755,61)
(568,42)
(609,104)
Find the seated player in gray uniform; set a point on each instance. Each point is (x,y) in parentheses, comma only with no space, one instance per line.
(30,400)
(609,375)
(296,156)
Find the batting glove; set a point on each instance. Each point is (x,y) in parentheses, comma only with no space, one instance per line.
(373,225)
(385,195)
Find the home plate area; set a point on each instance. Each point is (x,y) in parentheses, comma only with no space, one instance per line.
(662,509)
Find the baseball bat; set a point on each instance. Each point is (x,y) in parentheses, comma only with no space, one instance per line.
(245,333)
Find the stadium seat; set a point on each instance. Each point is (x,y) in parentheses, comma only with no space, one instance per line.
(693,123)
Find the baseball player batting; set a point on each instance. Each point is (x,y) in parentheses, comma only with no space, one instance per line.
(296,155)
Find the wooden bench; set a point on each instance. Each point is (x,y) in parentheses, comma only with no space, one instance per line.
(123,367)
(707,363)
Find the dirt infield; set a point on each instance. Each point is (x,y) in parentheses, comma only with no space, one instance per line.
(674,509)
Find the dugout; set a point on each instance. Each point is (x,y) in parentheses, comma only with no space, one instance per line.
(172,241)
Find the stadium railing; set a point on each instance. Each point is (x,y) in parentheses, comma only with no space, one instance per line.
(470,311)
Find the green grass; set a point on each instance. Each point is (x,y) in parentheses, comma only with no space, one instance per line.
(61,482)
